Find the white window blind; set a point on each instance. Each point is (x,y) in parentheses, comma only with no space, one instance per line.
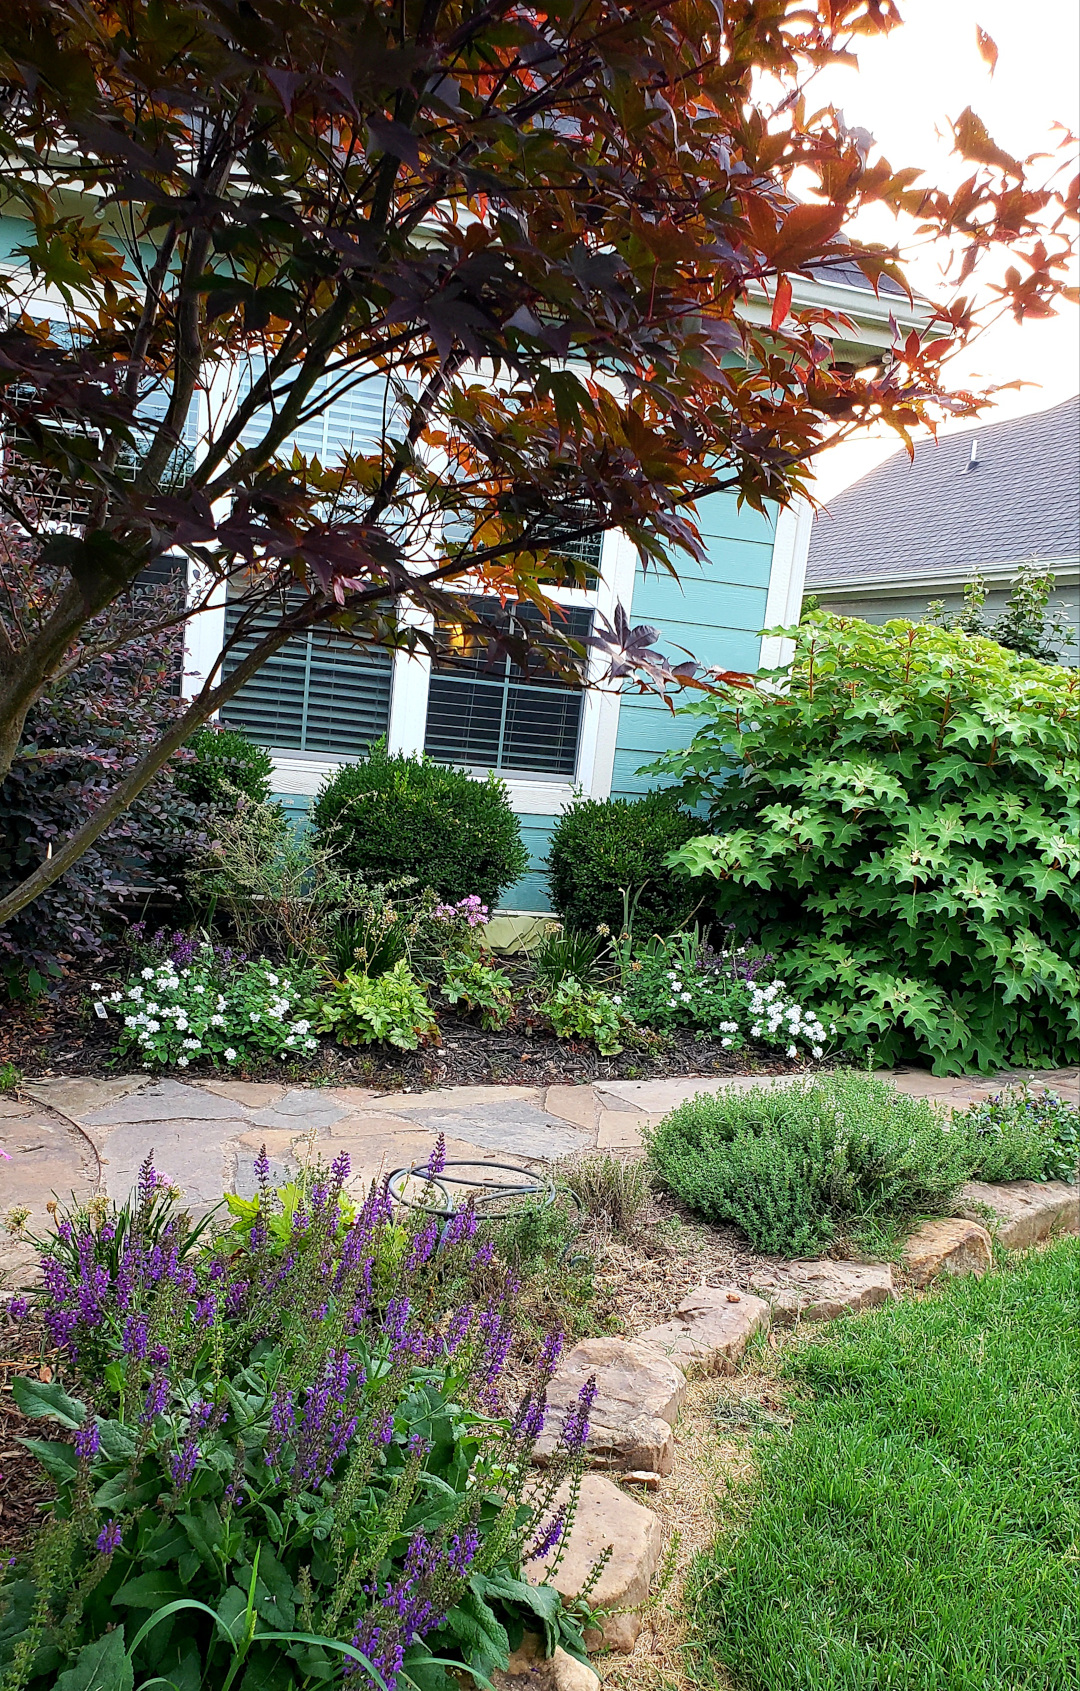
(320,692)
(497,715)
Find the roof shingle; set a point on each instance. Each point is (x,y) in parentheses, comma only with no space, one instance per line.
(939,514)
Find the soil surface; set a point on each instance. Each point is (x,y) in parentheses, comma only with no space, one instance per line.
(59,1034)
(24,1485)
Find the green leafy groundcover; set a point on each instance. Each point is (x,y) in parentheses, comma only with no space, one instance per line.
(284,1456)
(916,1529)
(900,825)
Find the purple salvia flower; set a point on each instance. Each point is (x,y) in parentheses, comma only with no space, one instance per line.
(18,1308)
(148,1180)
(548,1539)
(65,1231)
(422,1246)
(340,1168)
(87,1440)
(159,1356)
(396,1320)
(575,1430)
(484,1256)
(262,1168)
(157,1396)
(458,1329)
(135,1339)
(110,1538)
(236,1297)
(437,1160)
(205,1311)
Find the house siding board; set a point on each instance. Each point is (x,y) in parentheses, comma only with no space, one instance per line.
(715,613)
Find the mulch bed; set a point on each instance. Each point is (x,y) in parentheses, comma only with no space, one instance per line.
(58,1034)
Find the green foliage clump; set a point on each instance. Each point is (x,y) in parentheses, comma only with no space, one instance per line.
(566,952)
(360,1009)
(226,763)
(584,1012)
(392,815)
(900,823)
(791,1164)
(931,1472)
(608,860)
(478,985)
(1023,1135)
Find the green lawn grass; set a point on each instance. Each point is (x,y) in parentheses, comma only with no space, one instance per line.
(916,1530)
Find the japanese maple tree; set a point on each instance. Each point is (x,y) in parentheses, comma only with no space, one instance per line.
(534,234)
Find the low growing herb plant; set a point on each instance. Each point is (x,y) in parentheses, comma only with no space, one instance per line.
(277,1470)
(791,1165)
(199,1001)
(360,1009)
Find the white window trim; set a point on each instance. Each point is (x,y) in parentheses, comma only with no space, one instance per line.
(787,578)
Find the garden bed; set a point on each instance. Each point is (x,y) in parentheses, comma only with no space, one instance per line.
(56,1034)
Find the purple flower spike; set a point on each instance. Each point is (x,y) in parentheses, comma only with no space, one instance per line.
(575,1431)
(135,1340)
(110,1538)
(548,1539)
(437,1160)
(340,1168)
(18,1308)
(157,1397)
(87,1440)
(262,1167)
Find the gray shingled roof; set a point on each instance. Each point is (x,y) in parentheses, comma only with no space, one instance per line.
(937,516)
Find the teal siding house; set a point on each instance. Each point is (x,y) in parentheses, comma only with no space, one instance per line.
(324,703)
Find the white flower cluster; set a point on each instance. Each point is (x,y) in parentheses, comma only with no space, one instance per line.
(172,1014)
(778,1020)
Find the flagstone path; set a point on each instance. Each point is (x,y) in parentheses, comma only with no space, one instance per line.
(69,1138)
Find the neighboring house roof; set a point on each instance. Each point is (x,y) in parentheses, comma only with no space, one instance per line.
(987,498)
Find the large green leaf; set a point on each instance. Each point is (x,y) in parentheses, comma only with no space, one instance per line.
(38,1398)
(56,1458)
(103,1665)
(148,1591)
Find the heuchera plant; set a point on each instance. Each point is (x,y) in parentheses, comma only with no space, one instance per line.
(279,1468)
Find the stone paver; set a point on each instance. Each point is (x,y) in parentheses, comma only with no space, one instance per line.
(824,1290)
(206,1132)
(709,1331)
(638,1393)
(1025,1211)
(947,1245)
(530,1670)
(46,1158)
(607,1519)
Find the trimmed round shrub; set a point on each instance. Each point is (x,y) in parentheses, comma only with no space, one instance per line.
(392,815)
(601,846)
(226,759)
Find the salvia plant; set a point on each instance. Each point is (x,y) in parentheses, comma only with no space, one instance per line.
(279,1467)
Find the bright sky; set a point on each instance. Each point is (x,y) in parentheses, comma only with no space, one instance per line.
(906,87)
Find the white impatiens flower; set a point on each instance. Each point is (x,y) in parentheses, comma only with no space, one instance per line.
(272,979)
(153,1027)
(310,1044)
(220,1002)
(793,1051)
(198,989)
(95,986)
(302,1027)
(148,974)
(254,1015)
(818,1050)
(684,997)
(725,1044)
(616,998)
(193,1045)
(182,1062)
(230,1055)
(115,997)
(217,1021)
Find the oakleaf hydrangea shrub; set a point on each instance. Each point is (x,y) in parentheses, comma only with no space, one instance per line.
(792,1164)
(199,1001)
(281,1469)
(900,825)
(1022,1134)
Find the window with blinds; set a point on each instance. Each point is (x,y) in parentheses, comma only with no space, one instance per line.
(497,715)
(357,422)
(319,693)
